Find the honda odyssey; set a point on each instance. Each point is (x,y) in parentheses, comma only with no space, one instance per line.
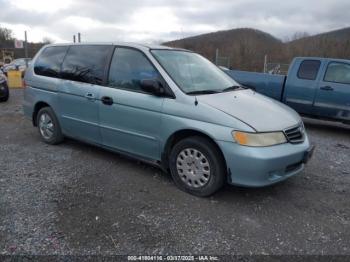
(166,106)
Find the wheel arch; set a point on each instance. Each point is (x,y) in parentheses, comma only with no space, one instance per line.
(39,105)
(180,135)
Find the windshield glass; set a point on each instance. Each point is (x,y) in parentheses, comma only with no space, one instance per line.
(192,72)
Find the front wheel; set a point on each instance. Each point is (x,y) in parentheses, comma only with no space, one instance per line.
(197,166)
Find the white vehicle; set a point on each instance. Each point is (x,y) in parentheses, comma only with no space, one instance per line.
(20,64)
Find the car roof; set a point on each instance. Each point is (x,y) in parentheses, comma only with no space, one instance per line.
(321,59)
(123,44)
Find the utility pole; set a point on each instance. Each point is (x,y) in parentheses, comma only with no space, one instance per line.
(217,56)
(79,38)
(26,47)
(265,63)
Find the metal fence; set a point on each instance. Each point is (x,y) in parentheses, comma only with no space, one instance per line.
(223,61)
(276,68)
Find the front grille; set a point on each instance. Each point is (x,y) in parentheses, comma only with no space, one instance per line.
(295,134)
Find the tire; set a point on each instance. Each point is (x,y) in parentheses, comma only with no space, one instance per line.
(194,179)
(49,131)
(7,93)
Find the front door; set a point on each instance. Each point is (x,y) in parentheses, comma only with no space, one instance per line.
(130,119)
(333,95)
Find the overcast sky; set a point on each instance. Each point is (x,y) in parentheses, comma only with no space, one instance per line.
(161,20)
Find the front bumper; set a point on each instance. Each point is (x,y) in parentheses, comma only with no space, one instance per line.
(262,166)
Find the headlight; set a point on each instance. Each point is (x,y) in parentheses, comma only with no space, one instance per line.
(259,139)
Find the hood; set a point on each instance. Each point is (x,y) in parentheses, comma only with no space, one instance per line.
(258,111)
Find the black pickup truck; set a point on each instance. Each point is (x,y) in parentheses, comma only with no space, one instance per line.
(4,90)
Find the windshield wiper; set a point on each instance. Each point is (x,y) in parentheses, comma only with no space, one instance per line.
(211,91)
(231,88)
(203,92)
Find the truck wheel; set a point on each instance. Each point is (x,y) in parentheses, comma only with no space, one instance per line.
(6,91)
(49,127)
(197,166)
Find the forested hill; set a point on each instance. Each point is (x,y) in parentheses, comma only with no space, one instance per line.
(247,47)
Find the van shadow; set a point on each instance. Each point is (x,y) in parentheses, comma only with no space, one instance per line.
(228,192)
(143,180)
(246,195)
(112,156)
(126,160)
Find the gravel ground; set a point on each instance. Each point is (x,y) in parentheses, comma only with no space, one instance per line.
(78,199)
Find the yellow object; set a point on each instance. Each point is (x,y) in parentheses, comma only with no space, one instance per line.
(14,79)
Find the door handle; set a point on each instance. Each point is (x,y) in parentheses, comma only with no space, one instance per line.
(90,96)
(107,100)
(327,88)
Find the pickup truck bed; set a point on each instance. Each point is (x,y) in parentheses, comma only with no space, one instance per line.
(269,85)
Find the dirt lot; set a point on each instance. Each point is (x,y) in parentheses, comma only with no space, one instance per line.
(79,199)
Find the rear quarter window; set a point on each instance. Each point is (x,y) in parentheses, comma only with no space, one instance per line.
(86,63)
(308,69)
(50,60)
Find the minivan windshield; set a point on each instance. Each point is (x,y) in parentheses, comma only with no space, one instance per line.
(193,73)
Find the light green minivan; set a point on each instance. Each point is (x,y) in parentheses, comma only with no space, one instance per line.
(169,107)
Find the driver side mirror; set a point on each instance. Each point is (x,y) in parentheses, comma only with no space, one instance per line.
(152,86)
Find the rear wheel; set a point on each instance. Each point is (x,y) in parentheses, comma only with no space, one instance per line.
(197,166)
(49,127)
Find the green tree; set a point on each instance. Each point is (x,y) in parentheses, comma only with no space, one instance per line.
(5,34)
